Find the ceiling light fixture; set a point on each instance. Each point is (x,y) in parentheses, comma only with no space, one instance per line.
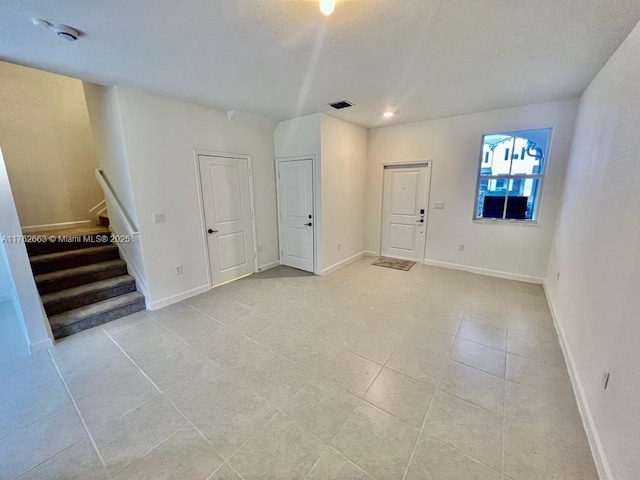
(327,6)
(63,31)
(388,114)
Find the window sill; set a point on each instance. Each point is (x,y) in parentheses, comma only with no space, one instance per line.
(500,221)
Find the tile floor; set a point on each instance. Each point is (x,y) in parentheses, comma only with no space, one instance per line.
(367,373)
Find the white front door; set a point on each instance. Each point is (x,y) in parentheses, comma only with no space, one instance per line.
(295,210)
(404,211)
(228,219)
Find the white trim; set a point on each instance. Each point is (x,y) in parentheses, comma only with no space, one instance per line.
(111,196)
(36,347)
(55,226)
(205,243)
(484,271)
(371,253)
(165,302)
(597,450)
(103,203)
(269,265)
(344,262)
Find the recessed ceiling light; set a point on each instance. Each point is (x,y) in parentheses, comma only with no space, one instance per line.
(388,114)
(327,6)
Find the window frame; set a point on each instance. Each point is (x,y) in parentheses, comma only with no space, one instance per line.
(539,176)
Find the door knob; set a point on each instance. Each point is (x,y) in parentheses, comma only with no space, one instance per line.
(308,224)
(212,231)
(420,221)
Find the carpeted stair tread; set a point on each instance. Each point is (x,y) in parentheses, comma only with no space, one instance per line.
(96,310)
(74,277)
(75,297)
(48,257)
(50,262)
(72,272)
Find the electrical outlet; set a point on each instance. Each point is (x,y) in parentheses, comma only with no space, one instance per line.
(461,247)
(605,379)
(339,246)
(178,269)
(158,218)
(260,248)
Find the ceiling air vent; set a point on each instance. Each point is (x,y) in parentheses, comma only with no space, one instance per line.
(341,104)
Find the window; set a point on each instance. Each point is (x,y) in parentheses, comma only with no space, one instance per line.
(510,175)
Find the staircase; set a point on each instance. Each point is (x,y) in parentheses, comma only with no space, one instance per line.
(82,280)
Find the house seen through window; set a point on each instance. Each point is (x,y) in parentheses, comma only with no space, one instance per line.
(511,173)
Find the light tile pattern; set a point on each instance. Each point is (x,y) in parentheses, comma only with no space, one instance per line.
(366,373)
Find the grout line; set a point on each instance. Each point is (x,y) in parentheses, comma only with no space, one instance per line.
(160,391)
(75,405)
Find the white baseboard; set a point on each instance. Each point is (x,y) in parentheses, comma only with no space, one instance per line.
(344,262)
(370,253)
(40,346)
(484,271)
(267,266)
(55,226)
(165,302)
(597,450)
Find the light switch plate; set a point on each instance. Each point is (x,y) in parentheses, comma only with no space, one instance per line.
(438,205)
(158,218)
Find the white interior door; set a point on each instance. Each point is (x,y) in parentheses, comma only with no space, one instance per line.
(295,210)
(404,211)
(228,218)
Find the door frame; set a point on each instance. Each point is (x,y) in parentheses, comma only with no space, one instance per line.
(203,226)
(317,209)
(410,163)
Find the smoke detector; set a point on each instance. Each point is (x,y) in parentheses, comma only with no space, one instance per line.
(63,31)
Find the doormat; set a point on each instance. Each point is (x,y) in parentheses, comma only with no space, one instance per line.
(394,263)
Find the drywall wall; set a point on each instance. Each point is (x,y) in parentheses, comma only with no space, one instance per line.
(511,250)
(596,253)
(302,138)
(6,280)
(160,136)
(30,312)
(46,139)
(344,174)
(108,135)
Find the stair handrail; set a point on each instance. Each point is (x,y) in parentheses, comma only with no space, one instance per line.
(115,201)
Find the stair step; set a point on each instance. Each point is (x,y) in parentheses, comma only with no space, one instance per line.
(68,240)
(50,262)
(73,277)
(95,314)
(76,297)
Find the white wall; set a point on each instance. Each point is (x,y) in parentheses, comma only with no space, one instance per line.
(31,313)
(453,145)
(597,253)
(160,135)
(302,138)
(6,280)
(108,135)
(344,174)
(46,139)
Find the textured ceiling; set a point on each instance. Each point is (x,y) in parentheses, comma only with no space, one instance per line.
(282,58)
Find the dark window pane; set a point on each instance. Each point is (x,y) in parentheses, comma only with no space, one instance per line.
(522,200)
(491,194)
